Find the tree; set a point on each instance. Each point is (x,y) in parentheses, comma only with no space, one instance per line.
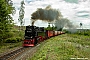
(6,9)
(80,25)
(50,28)
(21,14)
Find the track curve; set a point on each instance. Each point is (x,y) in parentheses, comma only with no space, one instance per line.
(21,53)
(12,54)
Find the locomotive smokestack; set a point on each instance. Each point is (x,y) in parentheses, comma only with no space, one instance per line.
(33,23)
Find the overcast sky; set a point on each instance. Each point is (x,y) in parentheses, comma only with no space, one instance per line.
(77,11)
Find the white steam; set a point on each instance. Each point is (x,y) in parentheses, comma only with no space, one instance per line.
(63,22)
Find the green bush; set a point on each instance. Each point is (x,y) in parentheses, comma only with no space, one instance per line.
(11,40)
(10,34)
(85,33)
(19,39)
(7,40)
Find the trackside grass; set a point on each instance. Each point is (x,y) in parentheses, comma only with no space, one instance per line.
(9,46)
(64,47)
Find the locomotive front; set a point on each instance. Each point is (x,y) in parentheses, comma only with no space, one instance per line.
(30,36)
(33,35)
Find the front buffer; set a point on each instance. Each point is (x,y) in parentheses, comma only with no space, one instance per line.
(29,43)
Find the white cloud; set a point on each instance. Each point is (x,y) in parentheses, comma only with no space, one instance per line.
(68,10)
(16,1)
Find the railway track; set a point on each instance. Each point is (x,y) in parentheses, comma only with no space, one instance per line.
(19,53)
(12,54)
(28,53)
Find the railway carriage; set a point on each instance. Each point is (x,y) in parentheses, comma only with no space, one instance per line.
(50,33)
(55,33)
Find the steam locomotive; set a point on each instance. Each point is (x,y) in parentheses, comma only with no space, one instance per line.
(35,35)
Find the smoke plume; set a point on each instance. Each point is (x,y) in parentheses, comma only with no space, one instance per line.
(61,23)
(48,14)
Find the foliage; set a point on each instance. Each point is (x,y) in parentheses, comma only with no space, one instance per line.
(85,33)
(13,40)
(50,28)
(14,37)
(6,9)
